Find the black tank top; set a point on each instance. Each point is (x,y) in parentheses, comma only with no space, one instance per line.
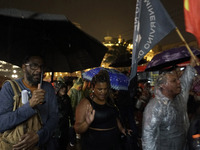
(105,115)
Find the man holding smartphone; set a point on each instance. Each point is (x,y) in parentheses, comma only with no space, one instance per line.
(37,94)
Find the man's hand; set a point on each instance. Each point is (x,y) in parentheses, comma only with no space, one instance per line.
(37,97)
(27,141)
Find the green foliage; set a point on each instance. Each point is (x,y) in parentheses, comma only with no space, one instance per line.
(117,51)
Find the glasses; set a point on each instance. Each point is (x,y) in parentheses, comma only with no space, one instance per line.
(35,66)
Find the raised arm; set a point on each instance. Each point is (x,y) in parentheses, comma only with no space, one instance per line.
(84,116)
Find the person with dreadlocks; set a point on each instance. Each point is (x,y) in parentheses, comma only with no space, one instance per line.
(97,119)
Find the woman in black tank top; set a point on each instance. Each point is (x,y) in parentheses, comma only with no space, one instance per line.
(97,119)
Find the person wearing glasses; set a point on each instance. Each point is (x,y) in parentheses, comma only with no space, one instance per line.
(165,119)
(36,111)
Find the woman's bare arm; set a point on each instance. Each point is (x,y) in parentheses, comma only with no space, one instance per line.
(84,116)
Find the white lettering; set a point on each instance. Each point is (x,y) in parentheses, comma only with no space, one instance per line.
(140,53)
(152,19)
(152,24)
(147,45)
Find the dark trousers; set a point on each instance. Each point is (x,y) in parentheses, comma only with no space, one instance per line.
(72,135)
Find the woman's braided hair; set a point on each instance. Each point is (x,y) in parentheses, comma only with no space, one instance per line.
(102,76)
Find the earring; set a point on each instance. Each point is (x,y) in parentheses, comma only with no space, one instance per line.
(92,94)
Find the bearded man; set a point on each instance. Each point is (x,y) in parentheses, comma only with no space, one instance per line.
(36,110)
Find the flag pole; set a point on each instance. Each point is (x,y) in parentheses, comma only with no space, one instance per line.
(186,44)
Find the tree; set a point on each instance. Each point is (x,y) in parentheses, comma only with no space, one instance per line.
(117,51)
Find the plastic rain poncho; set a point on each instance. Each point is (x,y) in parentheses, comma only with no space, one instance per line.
(165,122)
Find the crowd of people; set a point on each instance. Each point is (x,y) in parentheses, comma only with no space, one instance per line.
(36,114)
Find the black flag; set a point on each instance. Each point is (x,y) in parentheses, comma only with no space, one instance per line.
(152,23)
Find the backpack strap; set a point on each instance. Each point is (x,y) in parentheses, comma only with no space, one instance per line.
(17,93)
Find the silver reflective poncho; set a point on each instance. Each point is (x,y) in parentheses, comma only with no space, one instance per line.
(165,122)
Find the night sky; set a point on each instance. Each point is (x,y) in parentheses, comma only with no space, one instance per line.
(100,18)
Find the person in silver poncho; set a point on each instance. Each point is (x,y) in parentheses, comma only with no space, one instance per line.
(165,120)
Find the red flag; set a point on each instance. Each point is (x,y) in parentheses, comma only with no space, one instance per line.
(192,17)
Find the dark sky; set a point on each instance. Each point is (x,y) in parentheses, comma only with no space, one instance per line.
(101,17)
(96,17)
